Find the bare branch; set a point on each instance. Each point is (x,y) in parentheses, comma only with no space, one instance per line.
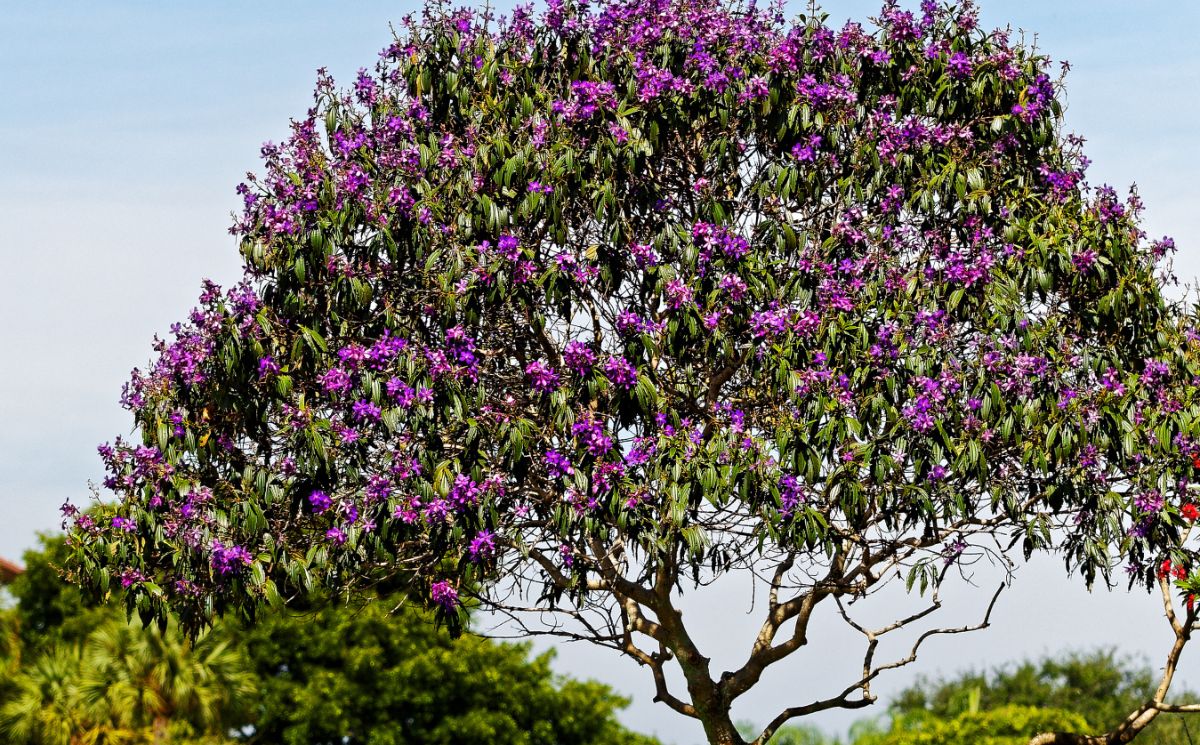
(844,700)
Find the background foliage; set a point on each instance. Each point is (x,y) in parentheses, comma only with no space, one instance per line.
(73,673)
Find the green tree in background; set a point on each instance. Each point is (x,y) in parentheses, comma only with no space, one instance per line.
(130,685)
(48,610)
(1074,692)
(793,734)
(361,675)
(1005,725)
(77,675)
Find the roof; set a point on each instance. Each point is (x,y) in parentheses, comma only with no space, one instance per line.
(9,571)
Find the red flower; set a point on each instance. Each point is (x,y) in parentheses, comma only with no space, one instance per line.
(1190,511)
(1167,568)
(1196,460)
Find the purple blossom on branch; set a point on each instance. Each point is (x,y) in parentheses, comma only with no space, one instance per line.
(229,559)
(320,501)
(541,376)
(620,372)
(579,357)
(443,593)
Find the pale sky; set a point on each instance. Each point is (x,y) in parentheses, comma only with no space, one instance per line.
(126,126)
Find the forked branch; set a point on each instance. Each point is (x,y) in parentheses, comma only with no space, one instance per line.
(858,694)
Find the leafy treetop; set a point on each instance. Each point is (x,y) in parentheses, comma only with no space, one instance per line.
(562,311)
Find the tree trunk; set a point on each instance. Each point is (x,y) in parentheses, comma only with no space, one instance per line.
(720,730)
(711,708)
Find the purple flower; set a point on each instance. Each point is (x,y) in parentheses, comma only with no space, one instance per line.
(366,410)
(1083,260)
(735,286)
(124,523)
(644,255)
(541,376)
(590,434)
(558,464)
(437,511)
(131,576)
(267,366)
(1155,371)
(483,546)
(336,535)
(791,494)
(401,392)
(1149,501)
(352,355)
(227,560)
(508,247)
(443,594)
(335,380)
(320,501)
(805,151)
(641,452)
(769,323)
(679,295)
(579,357)
(960,66)
(464,492)
(953,550)
(620,372)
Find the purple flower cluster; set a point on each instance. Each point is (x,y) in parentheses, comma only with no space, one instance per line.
(229,559)
(589,98)
(579,357)
(443,593)
(482,547)
(620,372)
(589,433)
(464,492)
(717,240)
(960,66)
(791,494)
(457,359)
(558,464)
(366,411)
(125,524)
(267,367)
(541,376)
(319,501)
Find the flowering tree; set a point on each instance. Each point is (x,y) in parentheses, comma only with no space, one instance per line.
(568,313)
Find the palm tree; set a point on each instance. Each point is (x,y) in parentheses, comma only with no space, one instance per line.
(43,708)
(151,681)
(129,686)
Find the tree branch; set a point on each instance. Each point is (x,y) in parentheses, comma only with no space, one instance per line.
(1141,717)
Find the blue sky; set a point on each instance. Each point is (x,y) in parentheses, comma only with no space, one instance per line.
(126,126)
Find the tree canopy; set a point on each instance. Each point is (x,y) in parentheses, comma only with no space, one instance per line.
(564,313)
